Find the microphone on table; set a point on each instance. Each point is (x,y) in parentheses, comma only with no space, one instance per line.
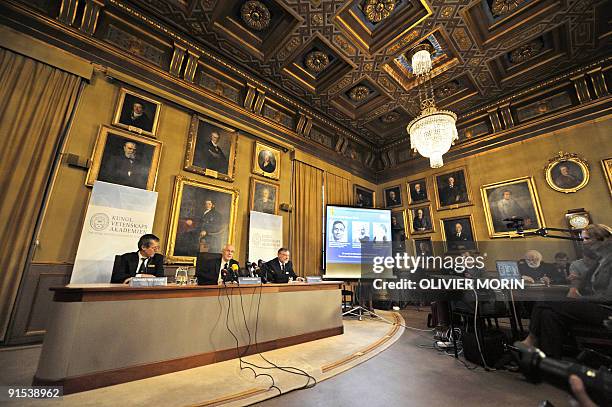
(234,272)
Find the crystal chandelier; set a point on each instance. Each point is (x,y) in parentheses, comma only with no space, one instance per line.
(433,131)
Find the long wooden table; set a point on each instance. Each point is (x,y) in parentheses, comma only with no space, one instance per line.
(105,334)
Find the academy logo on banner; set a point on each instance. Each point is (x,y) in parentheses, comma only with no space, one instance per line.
(116,218)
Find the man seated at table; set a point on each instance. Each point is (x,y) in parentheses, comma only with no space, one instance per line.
(534,270)
(146,262)
(212,271)
(280,269)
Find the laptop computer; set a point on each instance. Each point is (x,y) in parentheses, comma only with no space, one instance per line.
(508,269)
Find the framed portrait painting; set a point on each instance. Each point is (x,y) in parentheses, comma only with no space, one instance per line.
(124,158)
(266,161)
(423,247)
(458,234)
(606,165)
(417,192)
(515,198)
(452,189)
(211,149)
(264,196)
(421,220)
(398,230)
(393,197)
(202,219)
(567,173)
(137,113)
(364,197)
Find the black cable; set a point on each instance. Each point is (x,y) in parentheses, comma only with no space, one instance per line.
(299,372)
(241,362)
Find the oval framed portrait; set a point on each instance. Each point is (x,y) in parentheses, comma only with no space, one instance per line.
(567,173)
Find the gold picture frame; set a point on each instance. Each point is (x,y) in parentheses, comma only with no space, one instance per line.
(567,173)
(516,197)
(394,201)
(423,192)
(399,245)
(147,122)
(202,157)
(188,218)
(412,214)
(417,241)
(259,202)
(368,199)
(110,161)
(445,197)
(266,161)
(606,165)
(447,228)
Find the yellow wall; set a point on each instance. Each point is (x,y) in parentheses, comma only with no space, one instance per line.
(63,219)
(591,140)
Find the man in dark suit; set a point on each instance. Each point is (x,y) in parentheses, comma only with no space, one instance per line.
(452,193)
(280,269)
(457,238)
(216,271)
(146,262)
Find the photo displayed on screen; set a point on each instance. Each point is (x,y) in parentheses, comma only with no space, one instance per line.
(353,236)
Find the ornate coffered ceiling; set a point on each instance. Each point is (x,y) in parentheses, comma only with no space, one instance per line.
(347,59)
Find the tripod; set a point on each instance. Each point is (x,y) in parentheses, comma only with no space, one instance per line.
(360,310)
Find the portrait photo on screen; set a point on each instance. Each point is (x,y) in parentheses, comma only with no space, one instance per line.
(338,232)
(137,112)
(417,191)
(124,158)
(361,232)
(203,218)
(211,149)
(452,189)
(458,234)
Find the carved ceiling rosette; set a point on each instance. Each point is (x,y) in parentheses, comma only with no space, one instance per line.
(316,61)
(359,93)
(503,7)
(526,51)
(255,15)
(377,10)
(390,117)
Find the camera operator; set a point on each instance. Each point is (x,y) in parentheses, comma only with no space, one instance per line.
(550,321)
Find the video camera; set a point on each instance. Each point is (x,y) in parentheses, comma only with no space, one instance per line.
(537,367)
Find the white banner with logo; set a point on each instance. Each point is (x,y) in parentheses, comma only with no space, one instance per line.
(116,218)
(265,236)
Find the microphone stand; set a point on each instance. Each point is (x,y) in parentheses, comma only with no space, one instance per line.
(543,232)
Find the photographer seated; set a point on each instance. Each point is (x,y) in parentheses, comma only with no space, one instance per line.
(212,270)
(534,270)
(280,269)
(146,262)
(551,321)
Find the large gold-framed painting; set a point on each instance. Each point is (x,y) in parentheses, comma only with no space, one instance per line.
(137,113)
(202,219)
(512,199)
(124,158)
(211,149)
(266,161)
